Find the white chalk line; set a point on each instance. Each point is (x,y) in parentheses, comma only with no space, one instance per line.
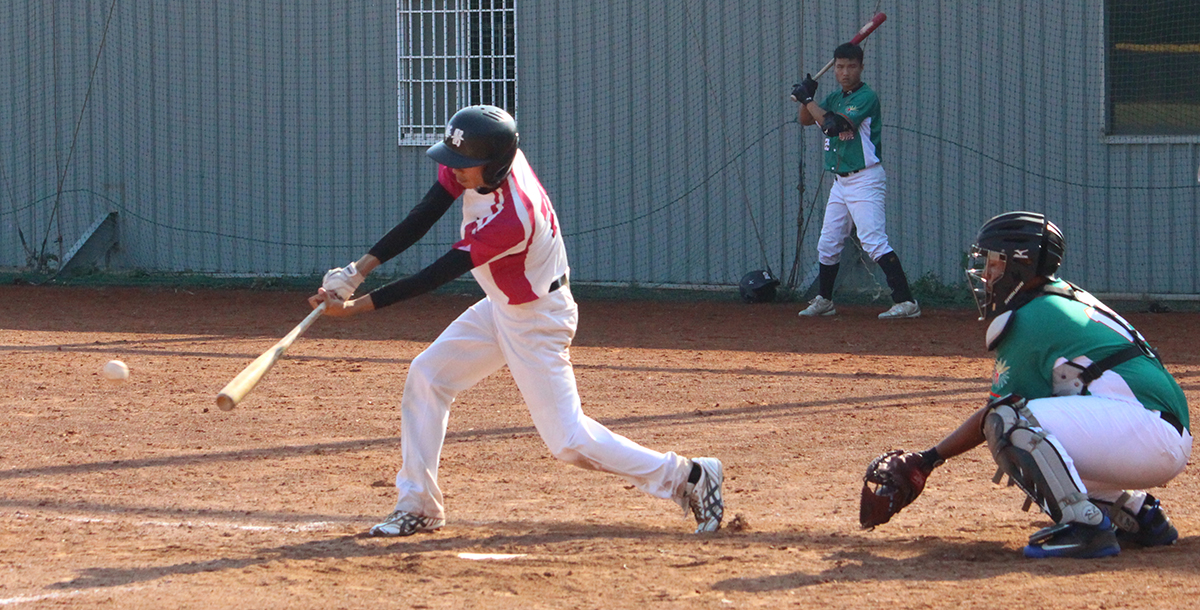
(25,599)
(305,527)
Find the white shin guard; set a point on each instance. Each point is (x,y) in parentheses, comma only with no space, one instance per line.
(1036,462)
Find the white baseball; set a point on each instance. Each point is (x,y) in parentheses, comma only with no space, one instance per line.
(115,370)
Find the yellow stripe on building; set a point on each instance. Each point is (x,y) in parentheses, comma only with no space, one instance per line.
(1158,48)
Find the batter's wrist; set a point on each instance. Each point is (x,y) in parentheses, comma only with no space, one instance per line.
(366,264)
(362,304)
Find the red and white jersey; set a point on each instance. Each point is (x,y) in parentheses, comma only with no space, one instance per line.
(512,234)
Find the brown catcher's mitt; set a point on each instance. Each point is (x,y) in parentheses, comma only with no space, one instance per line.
(893,481)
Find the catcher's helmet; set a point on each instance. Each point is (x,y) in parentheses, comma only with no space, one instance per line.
(479,135)
(1010,250)
(758,287)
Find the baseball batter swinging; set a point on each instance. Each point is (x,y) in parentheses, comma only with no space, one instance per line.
(850,119)
(1083,416)
(512,243)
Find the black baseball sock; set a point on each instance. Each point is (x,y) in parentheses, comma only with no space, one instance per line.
(694,475)
(897,281)
(825,280)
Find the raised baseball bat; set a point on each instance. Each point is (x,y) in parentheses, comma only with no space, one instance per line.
(236,390)
(863,32)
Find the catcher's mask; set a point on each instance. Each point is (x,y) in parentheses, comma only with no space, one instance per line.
(479,135)
(758,287)
(1010,250)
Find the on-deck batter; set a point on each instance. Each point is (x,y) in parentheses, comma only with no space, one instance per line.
(850,119)
(512,244)
(1083,416)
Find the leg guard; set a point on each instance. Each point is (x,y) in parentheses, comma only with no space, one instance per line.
(1034,461)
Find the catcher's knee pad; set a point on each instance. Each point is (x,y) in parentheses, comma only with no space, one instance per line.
(1035,462)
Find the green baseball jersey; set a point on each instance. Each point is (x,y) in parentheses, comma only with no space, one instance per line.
(861,108)
(1051,327)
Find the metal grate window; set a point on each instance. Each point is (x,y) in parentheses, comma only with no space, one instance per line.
(450,54)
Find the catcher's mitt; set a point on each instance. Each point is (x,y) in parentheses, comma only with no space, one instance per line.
(893,481)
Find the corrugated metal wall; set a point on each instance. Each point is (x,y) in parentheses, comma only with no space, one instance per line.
(236,137)
(664,133)
(256,137)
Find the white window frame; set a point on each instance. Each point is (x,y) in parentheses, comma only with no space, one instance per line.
(438,72)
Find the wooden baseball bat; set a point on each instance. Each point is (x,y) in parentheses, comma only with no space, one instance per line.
(236,390)
(863,32)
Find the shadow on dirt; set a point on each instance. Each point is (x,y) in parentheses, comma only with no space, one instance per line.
(711,415)
(686,325)
(855,558)
(935,559)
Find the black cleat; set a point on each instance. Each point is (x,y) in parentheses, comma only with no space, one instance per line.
(1150,527)
(1076,540)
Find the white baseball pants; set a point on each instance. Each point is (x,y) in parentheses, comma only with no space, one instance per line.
(533,339)
(1114,444)
(855,201)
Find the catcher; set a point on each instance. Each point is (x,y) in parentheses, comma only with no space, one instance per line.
(1083,417)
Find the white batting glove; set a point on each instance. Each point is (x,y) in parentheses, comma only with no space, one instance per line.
(342,281)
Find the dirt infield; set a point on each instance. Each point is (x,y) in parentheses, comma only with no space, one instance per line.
(143,495)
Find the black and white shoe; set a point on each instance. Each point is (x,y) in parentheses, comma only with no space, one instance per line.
(402,523)
(1076,540)
(1149,527)
(704,496)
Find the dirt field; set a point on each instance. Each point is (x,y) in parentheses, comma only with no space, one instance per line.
(143,495)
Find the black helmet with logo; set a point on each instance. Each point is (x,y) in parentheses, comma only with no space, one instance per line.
(758,287)
(1010,251)
(479,136)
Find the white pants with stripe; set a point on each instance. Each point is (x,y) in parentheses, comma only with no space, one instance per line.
(1113,444)
(533,339)
(855,201)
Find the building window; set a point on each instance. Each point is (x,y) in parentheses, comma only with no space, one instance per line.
(450,54)
(1153,67)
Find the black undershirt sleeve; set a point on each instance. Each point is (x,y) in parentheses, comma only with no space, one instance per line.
(450,266)
(414,226)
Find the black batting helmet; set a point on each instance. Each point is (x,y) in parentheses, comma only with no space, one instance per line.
(1010,250)
(758,287)
(479,135)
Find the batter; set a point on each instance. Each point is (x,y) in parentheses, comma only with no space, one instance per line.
(512,244)
(850,119)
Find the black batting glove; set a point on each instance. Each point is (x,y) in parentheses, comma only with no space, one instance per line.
(810,85)
(800,94)
(805,91)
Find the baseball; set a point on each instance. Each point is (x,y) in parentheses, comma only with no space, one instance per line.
(115,370)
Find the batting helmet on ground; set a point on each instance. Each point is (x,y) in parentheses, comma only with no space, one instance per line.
(758,287)
(479,135)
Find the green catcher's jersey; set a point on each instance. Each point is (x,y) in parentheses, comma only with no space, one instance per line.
(1051,327)
(861,108)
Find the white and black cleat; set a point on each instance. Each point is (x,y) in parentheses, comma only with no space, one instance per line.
(403,523)
(704,496)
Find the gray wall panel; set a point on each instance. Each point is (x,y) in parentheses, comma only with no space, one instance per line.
(256,137)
